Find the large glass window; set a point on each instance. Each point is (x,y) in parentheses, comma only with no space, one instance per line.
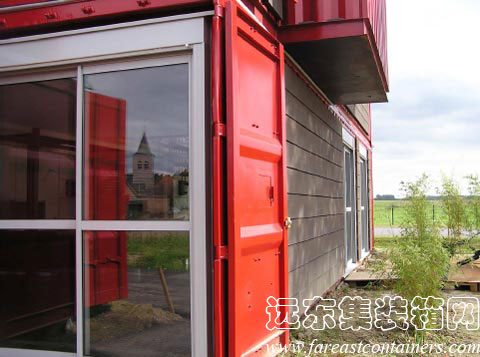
(136,144)
(137,293)
(95,219)
(37,150)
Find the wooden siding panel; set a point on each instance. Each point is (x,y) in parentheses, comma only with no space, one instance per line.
(313,206)
(314,250)
(301,159)
(314,227)
(303,183)
(308,118)
(301,136)
(296,87)
(361,113)
(315,191)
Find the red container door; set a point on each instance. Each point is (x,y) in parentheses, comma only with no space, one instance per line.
(256,188)
(107,251)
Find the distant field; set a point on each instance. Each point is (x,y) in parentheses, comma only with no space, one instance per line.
(384,218)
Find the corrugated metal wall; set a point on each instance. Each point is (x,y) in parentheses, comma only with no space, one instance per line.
(315,191)
(303,11)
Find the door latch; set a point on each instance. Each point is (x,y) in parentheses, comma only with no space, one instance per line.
(288,223)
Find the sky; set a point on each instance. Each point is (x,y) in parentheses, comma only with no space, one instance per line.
(432,121)
(157,104)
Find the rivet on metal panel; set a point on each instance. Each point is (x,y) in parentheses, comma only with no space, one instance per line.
(3,22)
(88,10)
(51,15)
(143,3)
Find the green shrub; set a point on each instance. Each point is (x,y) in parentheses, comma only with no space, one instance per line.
(455,211)
(419,260)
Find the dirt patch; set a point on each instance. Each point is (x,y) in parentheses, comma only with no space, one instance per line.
(125,318)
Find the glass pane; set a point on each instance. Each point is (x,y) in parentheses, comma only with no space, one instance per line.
(137,294)
(37,290)
(37,150)
(348,179)
(136,146)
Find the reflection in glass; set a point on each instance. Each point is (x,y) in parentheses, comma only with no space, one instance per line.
(37,150)
(37,290)
(137,294)
(136,144)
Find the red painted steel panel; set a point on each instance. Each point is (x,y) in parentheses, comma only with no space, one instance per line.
(377,13)
(372,202)
(257,203)
(88,9)
(343,11)
(106,252)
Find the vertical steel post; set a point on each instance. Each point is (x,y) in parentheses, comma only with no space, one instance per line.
(218,157)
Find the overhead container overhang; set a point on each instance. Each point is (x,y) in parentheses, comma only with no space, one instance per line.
(341,57)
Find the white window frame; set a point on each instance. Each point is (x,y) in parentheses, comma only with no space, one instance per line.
(365,250)
(123,46)
(349,145)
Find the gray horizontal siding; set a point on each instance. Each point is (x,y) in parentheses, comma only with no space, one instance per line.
(311,206)
(314,250)
(315,191)
(307,228)
(309,184)
(360,112)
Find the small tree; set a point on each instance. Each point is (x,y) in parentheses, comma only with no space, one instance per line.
(472,225)
(419,260)
(473,203)
(455,210)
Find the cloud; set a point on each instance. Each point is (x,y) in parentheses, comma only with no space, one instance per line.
(432,121)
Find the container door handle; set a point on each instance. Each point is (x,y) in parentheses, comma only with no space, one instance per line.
(288,222)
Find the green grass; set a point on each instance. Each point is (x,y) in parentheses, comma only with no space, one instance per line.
(383,212)
(169,251)
(385,242)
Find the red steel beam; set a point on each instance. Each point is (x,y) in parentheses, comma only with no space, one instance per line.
(21,18)
(218,174)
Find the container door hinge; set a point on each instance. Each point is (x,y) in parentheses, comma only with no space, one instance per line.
(218,129)
(218,10)
(221,252)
